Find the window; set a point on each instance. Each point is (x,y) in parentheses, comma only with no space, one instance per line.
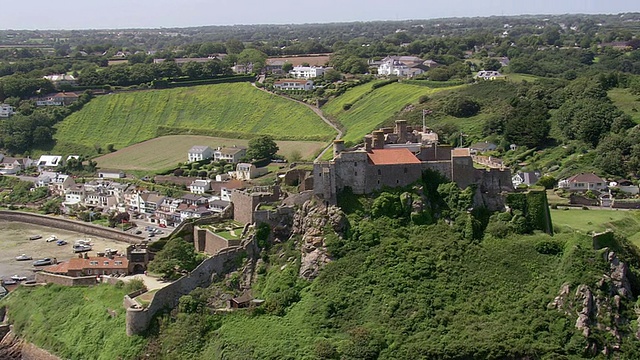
(355,173)
(93,263)
(406,170)
(379,172)
(106,263)
(118,262)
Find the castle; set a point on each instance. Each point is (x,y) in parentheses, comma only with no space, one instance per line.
(396,157)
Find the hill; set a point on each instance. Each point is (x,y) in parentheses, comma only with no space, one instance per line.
(167,151)
(364,108)
(229,110)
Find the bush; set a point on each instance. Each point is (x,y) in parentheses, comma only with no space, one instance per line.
(461,107)
(549,247)
(347,106)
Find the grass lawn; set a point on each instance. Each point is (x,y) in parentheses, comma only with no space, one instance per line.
(521,77)
(167,151)
(228,110)
(626,102)
(370,108)
(230,236)
(625,222)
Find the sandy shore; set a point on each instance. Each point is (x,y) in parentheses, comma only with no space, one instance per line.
(14,241)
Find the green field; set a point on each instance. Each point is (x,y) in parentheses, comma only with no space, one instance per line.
(227,110)
(626,102)
(625,222)
(372,108)
(166,152)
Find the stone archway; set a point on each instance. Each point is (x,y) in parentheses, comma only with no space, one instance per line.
(138,269)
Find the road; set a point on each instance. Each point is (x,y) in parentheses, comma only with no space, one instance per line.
(318,112)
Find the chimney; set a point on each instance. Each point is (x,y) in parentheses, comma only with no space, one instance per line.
(378,139)
(368,141)
(338,147)
(401,130)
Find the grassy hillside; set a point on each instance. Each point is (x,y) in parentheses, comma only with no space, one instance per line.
(228,110)
(626,102)
(626,222)
(74,322)
(370,108)
(167,151)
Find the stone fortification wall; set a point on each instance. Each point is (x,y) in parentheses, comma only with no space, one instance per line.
(435,153)
(397,175)
(43,277)
(71,225)
(210,243)
(243,206)
(617,204)
(283,214)
(138,319)
(443,167)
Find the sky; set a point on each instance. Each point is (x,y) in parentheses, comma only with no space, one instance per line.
(117,14)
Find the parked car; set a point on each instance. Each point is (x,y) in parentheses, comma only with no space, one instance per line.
(9,282)
(43,262)
(23,257)
(138,232)
(61,242)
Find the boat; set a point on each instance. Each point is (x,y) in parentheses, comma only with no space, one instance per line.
(78,248)
(52,238)
(43,262)
(18,278)
(84,242)
(35,237)
(23,257)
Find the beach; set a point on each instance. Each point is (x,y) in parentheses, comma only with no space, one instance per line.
(14,241)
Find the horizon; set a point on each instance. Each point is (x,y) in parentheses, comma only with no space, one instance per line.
(160,14)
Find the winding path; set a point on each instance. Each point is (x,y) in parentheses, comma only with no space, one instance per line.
(318,112)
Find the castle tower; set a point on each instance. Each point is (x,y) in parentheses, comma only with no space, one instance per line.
(368,141)
(401,131)
(378,139)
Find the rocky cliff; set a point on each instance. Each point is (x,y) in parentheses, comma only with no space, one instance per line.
(310,223)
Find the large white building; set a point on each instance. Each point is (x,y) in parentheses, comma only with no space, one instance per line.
(306,72)
(291,84)
(199,153)
(401,66)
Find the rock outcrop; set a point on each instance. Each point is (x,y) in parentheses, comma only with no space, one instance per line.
(598,308)
(310,223)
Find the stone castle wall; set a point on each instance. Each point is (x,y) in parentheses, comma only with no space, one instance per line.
(138,319)
(44,277)
(71,225)
(210,243)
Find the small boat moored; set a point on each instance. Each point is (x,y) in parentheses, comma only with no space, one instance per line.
(52,238)
(18,278)
(35,237)
(78,248)
(23,257)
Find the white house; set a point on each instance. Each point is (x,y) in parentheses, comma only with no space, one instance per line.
(200,186)
(231,154)
(489,75)
(111,174)
(6,110)
(62,79)
(306,72)
(583,182)
(48,162)
(10,165)
(218,206)
(527,178)
(246,171)
(401,66)
(292,84)
(199,153)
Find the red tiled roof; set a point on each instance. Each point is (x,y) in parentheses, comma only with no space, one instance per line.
(79,264)
(586,178)
(392,156)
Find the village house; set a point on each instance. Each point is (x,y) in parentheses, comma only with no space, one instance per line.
(200,186)
(481,147)
(247,171)
(199,153)
(274,66)
(59,99)
(62,80)
(583,182)
(626,186)
(401,66)
(528,178)
(86,266)
(11,165)
(111,174)
(57,183)
(194,199)
(6,111)
(219,206)
(489,75)
(74,195)
(307,72)
(292,84)
(48,162)
(231,154)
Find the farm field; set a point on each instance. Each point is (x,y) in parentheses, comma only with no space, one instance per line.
(371,108)
(228,110)
(626,102)
(167,151)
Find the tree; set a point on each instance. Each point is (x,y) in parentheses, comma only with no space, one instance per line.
(234,46)
(491,65)
(176,256)
(459,106)
(287,67)
(262,147)
(252,56)
(332,75)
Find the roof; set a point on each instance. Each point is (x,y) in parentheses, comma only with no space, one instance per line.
(110,171)
(198,149)
(483,146)
(231,150)
(392,157)
(219,203)
(461,152)
(200,182)
(584,177)
(65,95)
(278,82)
(79,264)
(49,160)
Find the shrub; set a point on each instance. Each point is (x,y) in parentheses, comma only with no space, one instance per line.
(347,106)
(461,107)
(549,247)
